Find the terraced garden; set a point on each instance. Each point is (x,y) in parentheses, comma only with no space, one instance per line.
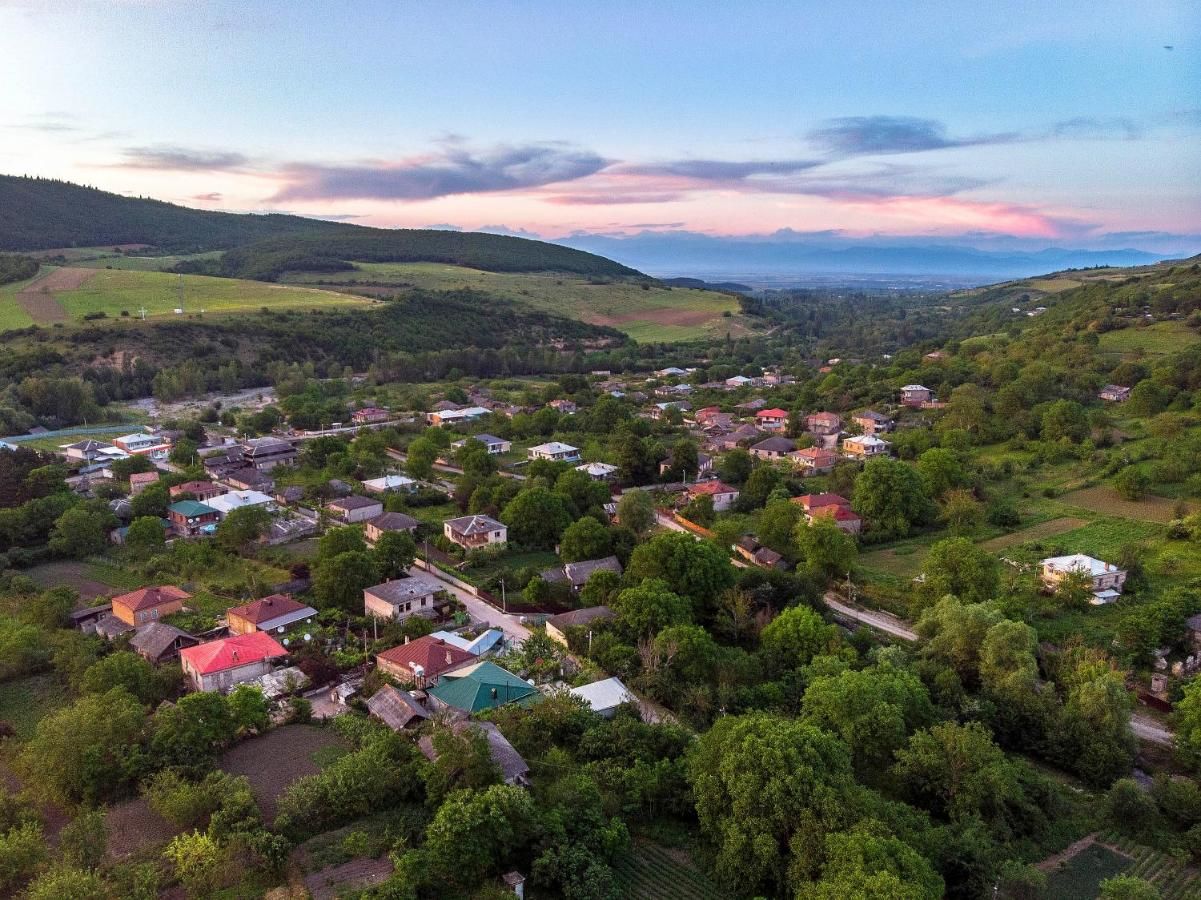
(1175,879)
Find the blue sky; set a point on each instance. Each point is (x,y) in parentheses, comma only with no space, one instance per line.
(1066,122)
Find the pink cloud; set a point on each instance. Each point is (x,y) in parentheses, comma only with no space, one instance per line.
(956,214)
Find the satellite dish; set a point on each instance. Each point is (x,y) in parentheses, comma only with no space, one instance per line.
(280,630)
(286,642)
(307,636)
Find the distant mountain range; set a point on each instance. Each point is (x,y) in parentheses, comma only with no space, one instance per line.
(717,258)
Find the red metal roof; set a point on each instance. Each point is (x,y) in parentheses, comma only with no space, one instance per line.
(816,501)
(772,414)
(711,487)
(433,654)
(267,608)
(231,652)
(149,597)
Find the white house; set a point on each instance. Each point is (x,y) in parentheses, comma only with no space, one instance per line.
(391,484)
(416,595)
(456,416)
(1107,579)
(494,444)
(227,503)
(598,471)
(475,531)
(556,451)
(865,446)
(143,445)
(604,696)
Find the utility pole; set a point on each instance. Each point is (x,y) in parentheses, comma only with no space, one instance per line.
(504,603)
(180,283)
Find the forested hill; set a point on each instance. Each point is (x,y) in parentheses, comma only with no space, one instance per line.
(41,214)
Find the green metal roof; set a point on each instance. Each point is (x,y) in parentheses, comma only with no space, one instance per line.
(482,686)
(190,508)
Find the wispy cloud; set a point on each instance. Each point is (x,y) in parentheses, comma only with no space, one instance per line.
(723,170)
(872,135)
(171,158)
(452,170)
(211,197)
(1091,127)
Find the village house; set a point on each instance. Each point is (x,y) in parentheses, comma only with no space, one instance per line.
(494,444)
(389,521)
(480,686)
(475,531)
(604,697)
(567,407)
(158,642)
(936,356)
(556,451)
(749,548)
(773,448)
(143,444)
(266,453)
(823,423)
(223,664)
(598,471)
(865,446)
(391,484)
(397,709)
(149,604)
(401,598)
(514,770)
(290,495)
(831,506)
(704,465)
(419,663)
(1115,393)
(736,438)
(872,422)
(576,574)
(232,500)
(456,416)
(723,495)
(190,518)
(915,395)
(1107,579)
(738,381)
(752,405)
(248,478)
(774,419)
(273,613)
(370,415)
(139,481)
(556,626)
(659,410)
(671,372)
(355,509)
(813,460)
(89,451)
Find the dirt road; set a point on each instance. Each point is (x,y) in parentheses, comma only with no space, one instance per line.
(873,618)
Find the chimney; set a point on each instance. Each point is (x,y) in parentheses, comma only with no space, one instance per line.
(448,657)
(406,638)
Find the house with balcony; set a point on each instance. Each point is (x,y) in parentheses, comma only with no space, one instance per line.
(915,395)
(872,422)
(1107,580)
(774,419)
(191,518)
(865,446)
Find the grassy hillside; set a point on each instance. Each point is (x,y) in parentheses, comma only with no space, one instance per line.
(646,312)
(69,294)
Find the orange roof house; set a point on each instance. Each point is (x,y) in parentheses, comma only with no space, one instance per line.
(149,604)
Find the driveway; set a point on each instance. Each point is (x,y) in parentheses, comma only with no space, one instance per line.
(511,625)
(881,621)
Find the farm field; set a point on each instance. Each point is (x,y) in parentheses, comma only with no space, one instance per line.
(656,314)
(1155,340)
(1033,533)
(12,313)
(1080,877)
(114,292)
(141,263)
(90,579)
(651,872)
(1105,500)
(275,760)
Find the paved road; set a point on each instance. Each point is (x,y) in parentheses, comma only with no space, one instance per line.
(1150,730)
(484,612)
(881,621)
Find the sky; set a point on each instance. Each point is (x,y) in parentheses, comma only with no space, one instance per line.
(1073,123)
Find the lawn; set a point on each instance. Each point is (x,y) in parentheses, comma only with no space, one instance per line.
(649,871)
(1155,340)
(1080,878)
(654,314)
(1033,533)
(24,702)
(114,292)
